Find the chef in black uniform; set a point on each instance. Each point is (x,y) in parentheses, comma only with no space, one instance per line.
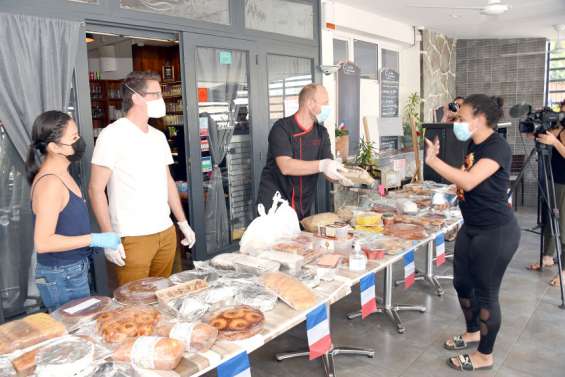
(300,149)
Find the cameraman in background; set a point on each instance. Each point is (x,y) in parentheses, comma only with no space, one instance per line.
(448,113)
(555,138)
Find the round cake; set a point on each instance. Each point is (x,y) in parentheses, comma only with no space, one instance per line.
(85,307)
(115,326)
(140,291)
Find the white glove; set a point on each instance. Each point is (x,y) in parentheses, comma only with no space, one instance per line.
(189,236)
(116,256)
(332,169)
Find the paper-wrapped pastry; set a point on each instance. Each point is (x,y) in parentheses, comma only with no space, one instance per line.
(290,263)
(225,261)
(254,265)
(76,312)
(311,223)
(151,352)
(357,176)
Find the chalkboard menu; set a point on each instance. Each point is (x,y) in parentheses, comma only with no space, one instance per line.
(349,102)
(390,89)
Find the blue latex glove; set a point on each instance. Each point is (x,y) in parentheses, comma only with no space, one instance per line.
(107,240)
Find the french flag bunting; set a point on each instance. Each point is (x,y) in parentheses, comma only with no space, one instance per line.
(318,331)
(238,366)
(368,298)
(409,269)
(440,250)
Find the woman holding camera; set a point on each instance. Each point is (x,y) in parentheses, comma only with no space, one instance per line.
(490,235)
(555,138)
(61,233)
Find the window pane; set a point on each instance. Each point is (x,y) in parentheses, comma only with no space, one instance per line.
(557,63)
(341,53)
(225,130)
(287,76)
(365,56)
(558,74)
(217,11)
(281,17)
(86,1)
(391,59)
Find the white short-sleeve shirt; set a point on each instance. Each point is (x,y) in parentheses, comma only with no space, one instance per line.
(137,190)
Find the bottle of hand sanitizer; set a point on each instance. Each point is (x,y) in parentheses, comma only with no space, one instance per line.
(357,259)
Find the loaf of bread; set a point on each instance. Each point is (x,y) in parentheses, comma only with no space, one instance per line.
(150,352)
(290,290)
(29,331)
(311,223)
(358,176)
(197,337)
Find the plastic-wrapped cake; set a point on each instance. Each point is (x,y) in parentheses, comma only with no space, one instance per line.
(238,322)
(68,357)
(140,291)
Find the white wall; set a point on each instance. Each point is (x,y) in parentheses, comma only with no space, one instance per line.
(124,61)
(350,24)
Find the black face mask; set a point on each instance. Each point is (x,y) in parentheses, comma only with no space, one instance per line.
(79,147)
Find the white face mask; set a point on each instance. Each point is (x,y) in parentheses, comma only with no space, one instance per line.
(156,108)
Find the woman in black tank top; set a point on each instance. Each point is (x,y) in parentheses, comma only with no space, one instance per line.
(62,235)
(555,138)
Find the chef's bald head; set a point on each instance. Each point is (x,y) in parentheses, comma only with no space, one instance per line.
(312,92)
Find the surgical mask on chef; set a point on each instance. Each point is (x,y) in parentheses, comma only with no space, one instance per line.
(462,131)
(324,114)
(155,108)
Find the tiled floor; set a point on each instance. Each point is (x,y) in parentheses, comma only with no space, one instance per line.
(530,343)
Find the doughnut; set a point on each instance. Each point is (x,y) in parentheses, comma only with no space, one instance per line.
(219,323)
(253,317)
(144,318)
(128,328)
(144,330)
(103,317)
(233,313)
(238,324)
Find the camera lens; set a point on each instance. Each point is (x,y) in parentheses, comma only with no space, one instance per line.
(453,107)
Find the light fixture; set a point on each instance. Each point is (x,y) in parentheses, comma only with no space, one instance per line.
(89,38)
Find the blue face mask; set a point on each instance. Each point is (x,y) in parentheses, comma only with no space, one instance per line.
(461,131)
(324,114)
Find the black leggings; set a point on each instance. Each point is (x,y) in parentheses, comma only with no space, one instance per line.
(481,258)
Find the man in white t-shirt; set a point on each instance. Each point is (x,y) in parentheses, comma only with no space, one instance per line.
(131,160)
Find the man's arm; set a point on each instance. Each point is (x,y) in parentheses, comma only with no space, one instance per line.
(99,178)
(293,167)
(174,198)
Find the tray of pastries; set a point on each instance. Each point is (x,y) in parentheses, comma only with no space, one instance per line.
(115,326)
(237,322)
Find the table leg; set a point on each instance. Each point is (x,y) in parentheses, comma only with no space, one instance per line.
(429,275)
(389,309)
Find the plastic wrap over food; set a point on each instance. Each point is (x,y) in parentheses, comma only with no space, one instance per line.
(115,326)
(111,369)
(196,336)
(237,322)
(140,291)
(151,352)
(257,297)
(290,263)
(68,357)
(218,294)
(225,261)
(208,275)
(188,308)
(29,331)
(6,368)
(181,290)
(236,279)
(254,265)
(309,276)
(75,313)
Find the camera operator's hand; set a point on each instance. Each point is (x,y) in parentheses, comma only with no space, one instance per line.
(548,138)
(432,149)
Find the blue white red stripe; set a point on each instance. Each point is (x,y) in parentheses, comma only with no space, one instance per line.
(238,366)
(440,250)
(318,331)
(368,298)
(409,269)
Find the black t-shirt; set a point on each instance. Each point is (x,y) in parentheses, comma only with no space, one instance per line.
(487,204)
(288,138)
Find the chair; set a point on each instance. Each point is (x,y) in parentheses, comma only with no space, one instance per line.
(515,169)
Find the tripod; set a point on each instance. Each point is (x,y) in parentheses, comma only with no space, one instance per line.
(548,195)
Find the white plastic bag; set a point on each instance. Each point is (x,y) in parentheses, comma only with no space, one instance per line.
(285,217)
(265,230)
(260,234)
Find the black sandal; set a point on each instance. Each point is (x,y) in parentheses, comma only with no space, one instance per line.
(465,364)
(458,344)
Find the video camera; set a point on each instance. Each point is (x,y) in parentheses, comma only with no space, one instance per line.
(537,122)
(453,107)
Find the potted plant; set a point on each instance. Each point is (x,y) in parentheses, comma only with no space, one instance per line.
(342,142)
(412,114)
(367,158)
